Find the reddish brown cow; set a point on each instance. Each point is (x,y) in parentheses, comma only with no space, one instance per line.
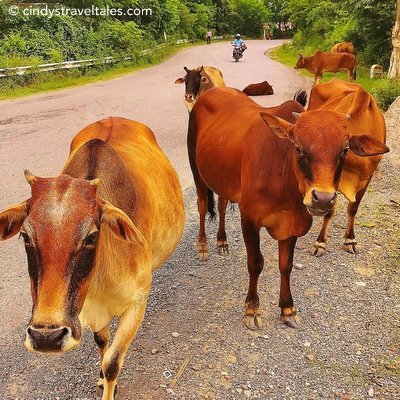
(351,99)
(322,62)
(93,235)
(343,47)
(284,111)
(279,173)
(258,89)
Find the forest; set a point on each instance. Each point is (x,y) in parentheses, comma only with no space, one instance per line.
(311,23)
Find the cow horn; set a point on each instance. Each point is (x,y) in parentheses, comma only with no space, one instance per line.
(347,117)
(296,115)
(186,69)
(30,178)
(201,69)
(95,182)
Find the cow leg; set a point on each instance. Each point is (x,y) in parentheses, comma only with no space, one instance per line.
(114,357)
(102,339)
(320,244)
(288,311)
(350,244)
(255,264)
(222,243)
(202,200)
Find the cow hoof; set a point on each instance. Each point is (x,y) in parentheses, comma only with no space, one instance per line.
(100,391)
(292,321)
(202,251)
(319,249)
(252,319)
(222,247)
(350,245)
(289,317)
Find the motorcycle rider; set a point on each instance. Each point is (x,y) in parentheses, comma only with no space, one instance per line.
(238,43)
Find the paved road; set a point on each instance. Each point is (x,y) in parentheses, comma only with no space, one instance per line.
(333,356)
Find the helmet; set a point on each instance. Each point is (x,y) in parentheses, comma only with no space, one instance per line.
(238,35)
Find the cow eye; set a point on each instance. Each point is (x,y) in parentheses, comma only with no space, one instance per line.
(25,238)
(91,238)
(299,151)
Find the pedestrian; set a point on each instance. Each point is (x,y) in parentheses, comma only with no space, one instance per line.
(208,36)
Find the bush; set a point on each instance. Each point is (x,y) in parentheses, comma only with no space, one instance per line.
(386,93)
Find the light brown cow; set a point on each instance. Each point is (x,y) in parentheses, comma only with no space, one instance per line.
(280,174)
(199,80)
(353,100)
(93,235)
(343,47)
(322,62)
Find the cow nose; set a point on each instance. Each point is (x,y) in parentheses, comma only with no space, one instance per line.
(189,96)
(47,339)
(323,200)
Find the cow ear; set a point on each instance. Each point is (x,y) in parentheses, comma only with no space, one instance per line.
(120,223)
(180,80)
(365,145)
(204,79)
(278,126)
(12,219)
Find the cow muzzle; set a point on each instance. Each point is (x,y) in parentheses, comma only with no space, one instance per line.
(189,97)
(49,339)
(321,202)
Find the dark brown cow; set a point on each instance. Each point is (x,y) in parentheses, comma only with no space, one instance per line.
(280,175)
(322,62)
(258,89)
(343,47)
(197,81)
(351,99)
(93,235)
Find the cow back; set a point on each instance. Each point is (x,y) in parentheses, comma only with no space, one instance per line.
(135,176)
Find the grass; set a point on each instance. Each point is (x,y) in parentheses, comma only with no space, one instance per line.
(288,55)
(51,81)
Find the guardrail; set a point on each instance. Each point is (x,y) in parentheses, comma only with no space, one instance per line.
(18,71)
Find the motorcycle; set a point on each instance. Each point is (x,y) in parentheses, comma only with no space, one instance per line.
(237,53)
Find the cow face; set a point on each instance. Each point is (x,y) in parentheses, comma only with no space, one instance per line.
(320,144)
(301,62)
(61,227)
(192,80)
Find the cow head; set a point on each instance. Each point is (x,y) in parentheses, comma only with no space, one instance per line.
(62,227)
(192,80)
(320,144)
(301,62)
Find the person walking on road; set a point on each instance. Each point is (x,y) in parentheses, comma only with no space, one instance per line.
(208,36)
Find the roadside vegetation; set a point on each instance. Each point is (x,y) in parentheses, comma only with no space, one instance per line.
(318,25)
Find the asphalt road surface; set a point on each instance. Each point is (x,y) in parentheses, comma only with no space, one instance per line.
(202,302)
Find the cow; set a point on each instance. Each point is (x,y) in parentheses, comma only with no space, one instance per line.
(322,62)
(280,174)
(93,235)
(343,47)
(284,111)
(197,81)
(351,99)
(258,89)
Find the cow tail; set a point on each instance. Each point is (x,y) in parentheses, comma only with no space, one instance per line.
(211,204)
(191,144)
(301,97)
(354,73)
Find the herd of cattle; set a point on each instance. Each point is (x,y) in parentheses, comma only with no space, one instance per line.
(94,234)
